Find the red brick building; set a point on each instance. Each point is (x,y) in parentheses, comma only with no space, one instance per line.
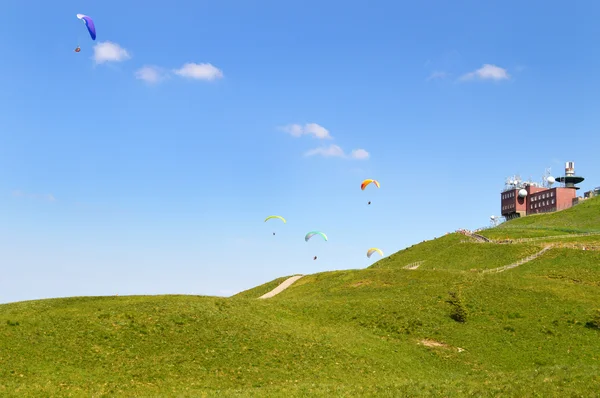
(522,199)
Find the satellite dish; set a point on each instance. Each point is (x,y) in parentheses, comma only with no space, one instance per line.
(551,180)
(492,217)
(522,193)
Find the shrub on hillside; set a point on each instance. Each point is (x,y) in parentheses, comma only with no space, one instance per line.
(459,311)
(595,322)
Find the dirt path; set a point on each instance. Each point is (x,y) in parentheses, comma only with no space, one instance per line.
(287,283)
(521,261)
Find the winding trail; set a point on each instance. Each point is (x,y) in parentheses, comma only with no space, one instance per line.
(521,261)
(413,266)
(284,285)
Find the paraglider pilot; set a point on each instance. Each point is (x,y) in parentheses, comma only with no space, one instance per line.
(315,258)
(77,49)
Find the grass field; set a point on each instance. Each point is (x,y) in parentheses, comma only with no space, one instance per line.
(439,330)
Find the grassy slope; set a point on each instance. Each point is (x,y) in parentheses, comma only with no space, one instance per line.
(584,217)
(262,289)
(343,333)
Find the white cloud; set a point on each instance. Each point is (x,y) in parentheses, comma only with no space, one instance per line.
(437,75)
(151,74)
(109,52)
(487,72)
(360,154)
(330,151)
(322,133)
(20,194)
(199,71)
(337,152)
(314,129)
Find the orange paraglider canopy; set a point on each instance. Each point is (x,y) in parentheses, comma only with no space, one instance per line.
(364,184)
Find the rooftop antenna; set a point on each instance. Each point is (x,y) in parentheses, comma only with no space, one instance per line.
(570,179)
(546,178)
(517,181)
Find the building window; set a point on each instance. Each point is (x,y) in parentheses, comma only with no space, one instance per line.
(552,194)
(552,201)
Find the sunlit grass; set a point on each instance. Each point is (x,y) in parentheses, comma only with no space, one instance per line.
(382,331)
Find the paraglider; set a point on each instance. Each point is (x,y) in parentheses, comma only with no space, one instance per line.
(366,182)
(91,28)
(373,250)
(279,217)
(270,217)
(313,233)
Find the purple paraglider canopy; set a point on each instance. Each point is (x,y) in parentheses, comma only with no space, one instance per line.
(89,25)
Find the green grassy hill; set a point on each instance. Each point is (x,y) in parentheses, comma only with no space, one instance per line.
(443,329)
(582,218)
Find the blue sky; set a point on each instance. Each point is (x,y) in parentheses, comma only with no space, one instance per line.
(146,163)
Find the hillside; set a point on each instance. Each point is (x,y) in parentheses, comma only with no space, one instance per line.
(582,218)
(533,330)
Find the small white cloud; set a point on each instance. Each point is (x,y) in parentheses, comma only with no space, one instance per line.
(360,154)
(47,197)
(487,72)
(437,75)
(199,71)
(109,52)
(337,152)
(330,151)
(151,74)
(314,129)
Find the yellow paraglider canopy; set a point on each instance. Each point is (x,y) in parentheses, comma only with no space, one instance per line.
(270,217)
(373,250)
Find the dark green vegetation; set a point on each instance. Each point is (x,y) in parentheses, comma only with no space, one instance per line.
(443,329)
